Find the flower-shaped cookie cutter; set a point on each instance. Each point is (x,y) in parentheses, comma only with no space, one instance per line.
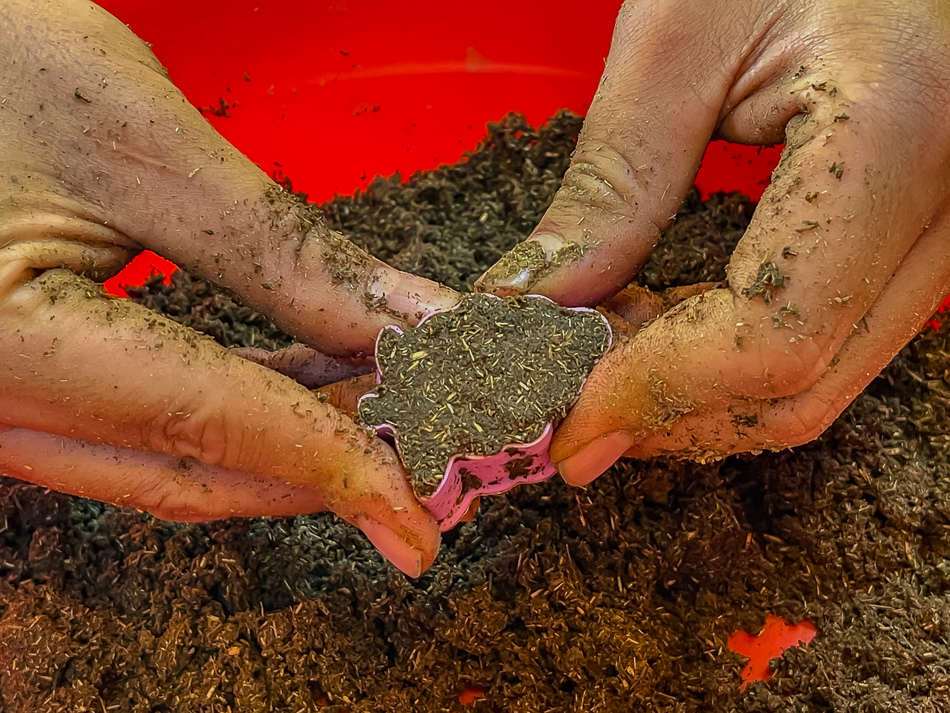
(470,476)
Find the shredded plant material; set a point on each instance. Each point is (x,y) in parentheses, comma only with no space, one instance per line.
(618,597)
(489,373)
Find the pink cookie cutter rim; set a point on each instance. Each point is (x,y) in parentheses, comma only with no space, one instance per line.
(469,476)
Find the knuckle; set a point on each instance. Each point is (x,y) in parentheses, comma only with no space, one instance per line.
(206,433)
(153,497)
(153,494)
(178,491)
(609,185)
(160,503)
(788,369)
(600,183)
(806,420)
(171,509)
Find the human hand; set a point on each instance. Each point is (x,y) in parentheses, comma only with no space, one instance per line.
(101,157)
(847,253)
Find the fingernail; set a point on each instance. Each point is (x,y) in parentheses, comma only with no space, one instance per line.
(594,458)
(409,294)
(394,548)
(515,283)
(550,242)
(521,266)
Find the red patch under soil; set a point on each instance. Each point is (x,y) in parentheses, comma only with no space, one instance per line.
(776,636)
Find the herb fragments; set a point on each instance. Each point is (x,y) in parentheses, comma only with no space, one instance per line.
(474,379)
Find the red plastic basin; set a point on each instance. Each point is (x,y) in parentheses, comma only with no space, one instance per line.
(333,93)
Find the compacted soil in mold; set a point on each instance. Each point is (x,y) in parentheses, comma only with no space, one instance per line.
(618,597)
(472,380)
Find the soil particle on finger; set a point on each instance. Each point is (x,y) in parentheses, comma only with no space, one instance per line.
(526,259)
(767,281)
(618,597)
(487,374)
(347,265)
(527,263)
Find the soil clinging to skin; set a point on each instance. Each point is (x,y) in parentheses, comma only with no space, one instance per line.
(472,380)
(618,597)
(526,263)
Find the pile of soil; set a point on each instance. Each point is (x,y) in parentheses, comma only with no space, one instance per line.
(487,374)
(618,597)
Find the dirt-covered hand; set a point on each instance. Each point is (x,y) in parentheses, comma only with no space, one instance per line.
(846,256)
(101,157)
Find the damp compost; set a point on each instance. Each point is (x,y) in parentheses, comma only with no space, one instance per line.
(486,374)
(617,597)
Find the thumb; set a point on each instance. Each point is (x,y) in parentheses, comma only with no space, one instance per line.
(643,140)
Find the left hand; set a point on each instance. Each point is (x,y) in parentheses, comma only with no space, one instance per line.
(102,157)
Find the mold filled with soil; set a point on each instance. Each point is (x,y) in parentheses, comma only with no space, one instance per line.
(617,597)
(472,380)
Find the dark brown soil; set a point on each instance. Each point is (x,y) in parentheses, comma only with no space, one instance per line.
(487,374)
(618,597)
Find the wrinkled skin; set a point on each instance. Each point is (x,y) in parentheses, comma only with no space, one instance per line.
(845,259)
(101,157)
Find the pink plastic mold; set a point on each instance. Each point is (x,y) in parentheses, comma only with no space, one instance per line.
(468,477)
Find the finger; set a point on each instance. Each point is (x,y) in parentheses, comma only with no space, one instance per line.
(87,368)
(345,395)
(829,233)
(151,172)
(647,128)
(904,306)
(629,311)
(639,305)
(621,329)
(168,487)
(173,488)
(305,365)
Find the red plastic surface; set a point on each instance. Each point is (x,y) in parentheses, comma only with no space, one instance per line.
(776,636)
(332,93)
(471,693)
